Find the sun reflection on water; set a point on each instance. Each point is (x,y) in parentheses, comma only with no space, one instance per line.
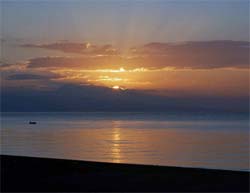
(116,138)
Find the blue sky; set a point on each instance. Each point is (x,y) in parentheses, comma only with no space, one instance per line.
(126,22)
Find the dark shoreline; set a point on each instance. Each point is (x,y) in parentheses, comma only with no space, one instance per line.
(25,174)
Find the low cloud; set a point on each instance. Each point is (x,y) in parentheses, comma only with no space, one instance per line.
(26,76)
(71,97)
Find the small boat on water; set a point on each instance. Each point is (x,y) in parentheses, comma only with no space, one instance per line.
(32,122)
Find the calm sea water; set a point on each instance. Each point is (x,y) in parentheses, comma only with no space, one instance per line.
(151,138)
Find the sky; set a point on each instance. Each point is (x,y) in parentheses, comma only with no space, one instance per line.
(126,21)
(135,52)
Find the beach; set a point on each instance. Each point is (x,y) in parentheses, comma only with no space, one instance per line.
(19,173)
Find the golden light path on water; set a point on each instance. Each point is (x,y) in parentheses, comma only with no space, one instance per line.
(116,137)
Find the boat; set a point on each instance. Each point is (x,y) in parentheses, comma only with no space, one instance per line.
(32,122)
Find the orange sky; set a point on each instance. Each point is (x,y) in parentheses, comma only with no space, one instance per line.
(212,68)
(165,47)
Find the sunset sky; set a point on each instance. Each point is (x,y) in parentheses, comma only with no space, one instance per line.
(125,54)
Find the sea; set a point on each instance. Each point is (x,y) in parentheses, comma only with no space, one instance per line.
(183,140)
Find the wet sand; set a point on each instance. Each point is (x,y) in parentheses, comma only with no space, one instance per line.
(43,174)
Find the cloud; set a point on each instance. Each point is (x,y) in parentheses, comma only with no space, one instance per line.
(72,62)
(79,48)
(158,56)
(197,55)
(26,76)
(71,97)
(8,66)
(152,66)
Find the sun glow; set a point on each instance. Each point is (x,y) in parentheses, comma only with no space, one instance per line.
(112,70)
(116,87)
(122,70)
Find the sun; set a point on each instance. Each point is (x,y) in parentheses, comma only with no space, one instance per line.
(116,87)
(122,70)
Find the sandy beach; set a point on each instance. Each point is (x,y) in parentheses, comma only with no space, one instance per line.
(43,174)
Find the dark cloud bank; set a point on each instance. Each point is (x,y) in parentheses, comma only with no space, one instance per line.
(75,98)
